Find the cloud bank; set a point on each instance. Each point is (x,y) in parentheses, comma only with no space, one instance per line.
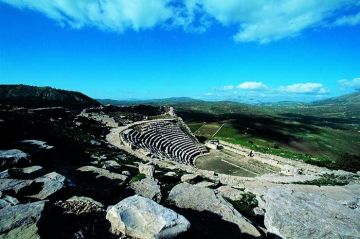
(353,84)
(304,88)
(261,21)
(298,88)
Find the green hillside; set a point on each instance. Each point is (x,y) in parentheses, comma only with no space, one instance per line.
(31,96)
(317,133)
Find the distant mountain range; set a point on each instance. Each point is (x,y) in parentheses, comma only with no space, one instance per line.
(32,96)
(165,101)
(352,98)
(345,106)
(348,99)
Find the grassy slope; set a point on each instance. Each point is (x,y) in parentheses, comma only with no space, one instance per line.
(320,134)
(324,132)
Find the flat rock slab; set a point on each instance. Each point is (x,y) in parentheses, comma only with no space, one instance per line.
(148,188)
(295,212)
(22,173)
(7,201)
(20,221)
(147,170)
(100,172)
(202,199)
(51,183)
(143,218)
(14,185)
(13,157)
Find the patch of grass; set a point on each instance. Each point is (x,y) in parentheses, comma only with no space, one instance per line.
(328,180)
(208,130)
(194,126)
(137,177)
(246,205)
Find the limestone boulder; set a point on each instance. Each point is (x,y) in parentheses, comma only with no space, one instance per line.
(203,199)
(20,221)
(294,212)
(22,173)
(100,172)
(234,181)
(147,169)
(50,183)
(148,188)
(170,174)
(14,186)
(112,165)
(34,146)
(230,193)
(206,184)
(13,157)
(143,218)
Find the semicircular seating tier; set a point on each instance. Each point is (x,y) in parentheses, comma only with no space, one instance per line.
(164,140)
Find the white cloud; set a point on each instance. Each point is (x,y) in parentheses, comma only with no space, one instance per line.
(304,88)
(256,20)
(351,20)
(228,87)
(252,85)
(352,84)
(265,21)
(113,15)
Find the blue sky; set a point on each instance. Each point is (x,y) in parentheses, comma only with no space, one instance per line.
(253,51)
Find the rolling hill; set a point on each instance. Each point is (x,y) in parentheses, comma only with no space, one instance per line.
(31,96)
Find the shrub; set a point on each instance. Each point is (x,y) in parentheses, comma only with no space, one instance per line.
(246,204)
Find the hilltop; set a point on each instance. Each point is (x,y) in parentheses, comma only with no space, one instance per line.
(32,96)
(348,99)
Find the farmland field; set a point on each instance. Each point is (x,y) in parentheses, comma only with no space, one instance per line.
(207,130)
(233,164)
(331,142)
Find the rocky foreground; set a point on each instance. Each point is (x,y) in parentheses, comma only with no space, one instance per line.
(60,178)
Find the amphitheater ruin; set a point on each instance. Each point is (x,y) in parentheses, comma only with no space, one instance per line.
(164,139)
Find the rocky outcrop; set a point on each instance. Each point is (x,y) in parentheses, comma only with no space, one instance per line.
(20,221)
(294,212)
(13,157)
(187,196)
(50,184)
(147,170)
(143,218)
(100,172)
(148,188)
